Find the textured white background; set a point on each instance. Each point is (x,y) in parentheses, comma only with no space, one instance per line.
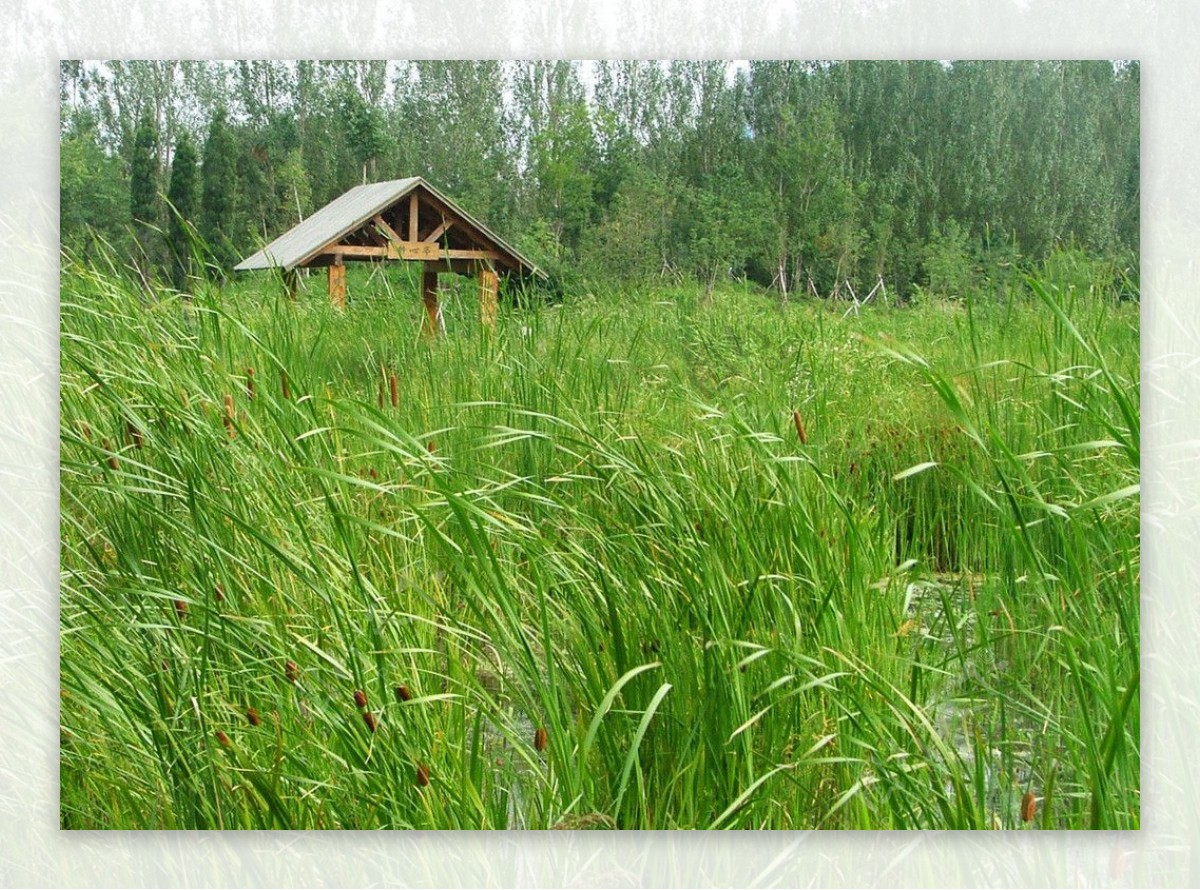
(1164,34)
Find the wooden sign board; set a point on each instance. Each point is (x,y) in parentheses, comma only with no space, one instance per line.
(420,250)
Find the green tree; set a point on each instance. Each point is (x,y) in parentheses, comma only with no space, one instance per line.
(145,206)
(93,192)
(218,194)
(724,221)
(559,146)
(181,195)
(453,120)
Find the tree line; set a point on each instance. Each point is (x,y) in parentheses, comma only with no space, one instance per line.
(806,177)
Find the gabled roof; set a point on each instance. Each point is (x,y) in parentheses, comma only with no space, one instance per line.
(350,212)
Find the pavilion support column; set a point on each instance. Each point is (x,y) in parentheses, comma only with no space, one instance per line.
(489,290)
(337,283)
(429,293)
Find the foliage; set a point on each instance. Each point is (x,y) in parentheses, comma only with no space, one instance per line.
(93,194)
(145,200)
(219,190)
(851,171)
(181,196)
(642,562)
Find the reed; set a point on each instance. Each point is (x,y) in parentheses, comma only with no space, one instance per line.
(615,551)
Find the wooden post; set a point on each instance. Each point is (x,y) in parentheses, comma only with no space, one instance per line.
(429,293)
(337,283)
(489,289)
(291,282)
(413,225)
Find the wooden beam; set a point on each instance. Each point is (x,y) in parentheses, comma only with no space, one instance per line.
(337,284)
(440,230)
(429,293)
(471,254)
(387,230)
(489,289)
(357,250)
(413,218)
(410,250)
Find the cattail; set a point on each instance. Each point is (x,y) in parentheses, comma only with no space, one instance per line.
(369,719)
(250,383)
(379,396)
(223,739)
(219,592)
(800,428)
(1028,807)
(395,389)
(360,698)
(403,693)
(181,609)
(252,716)
(229,415)
(135,435)
(372,472)
(540,739)
(422,775)
(291,670)
(431,447)
(287,390)
(113,463)
(86,429)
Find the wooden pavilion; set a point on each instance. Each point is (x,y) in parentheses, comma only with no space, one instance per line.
(404,219)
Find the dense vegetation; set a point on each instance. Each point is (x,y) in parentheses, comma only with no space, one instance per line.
(590,570)
(814,178)
(690,545)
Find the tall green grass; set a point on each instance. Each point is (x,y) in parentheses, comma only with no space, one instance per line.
(598,521)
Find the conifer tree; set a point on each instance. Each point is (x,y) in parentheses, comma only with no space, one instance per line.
(218,179)
(182,198)
(144,200)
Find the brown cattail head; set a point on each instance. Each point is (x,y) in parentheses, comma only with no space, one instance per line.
(229,415)
(291,670)
(360,698)
(372,472)
(431,447)
(223,739)
(369,719)
(403,693)
(283,380)
(219,592)
(113,463)
(395,390)
(181,609)
(86,429)
(800,428)
(135,434)
(252,716)
(540,739)
(1028,807)
(422,775)
(250,383)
